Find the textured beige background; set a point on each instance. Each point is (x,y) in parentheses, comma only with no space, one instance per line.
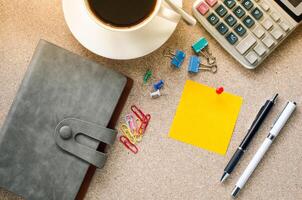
(164,168)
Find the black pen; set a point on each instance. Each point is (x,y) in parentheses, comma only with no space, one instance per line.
(262,114)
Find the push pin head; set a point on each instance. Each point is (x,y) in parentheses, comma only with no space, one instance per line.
(159,85)
(220,90)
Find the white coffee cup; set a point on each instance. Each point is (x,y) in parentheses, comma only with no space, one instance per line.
(159,10)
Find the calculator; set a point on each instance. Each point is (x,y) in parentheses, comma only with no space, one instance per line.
(249,30)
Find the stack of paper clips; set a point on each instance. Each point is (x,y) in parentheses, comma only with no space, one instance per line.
(134,128)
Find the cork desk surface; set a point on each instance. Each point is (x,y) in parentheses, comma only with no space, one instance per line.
(164,168)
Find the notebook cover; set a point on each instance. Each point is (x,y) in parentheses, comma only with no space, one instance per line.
(57,85)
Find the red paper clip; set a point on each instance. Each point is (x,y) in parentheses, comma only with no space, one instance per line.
(144,125)
(126,142)
(142,117)
(138,113)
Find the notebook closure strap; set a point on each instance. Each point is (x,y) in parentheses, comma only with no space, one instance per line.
(67,131)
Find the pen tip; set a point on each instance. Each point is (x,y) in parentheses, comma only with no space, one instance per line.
(224,177)
(275,97)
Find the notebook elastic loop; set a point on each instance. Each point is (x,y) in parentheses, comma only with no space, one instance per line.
(65,137)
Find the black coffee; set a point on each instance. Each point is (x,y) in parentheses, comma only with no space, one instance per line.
(122,13)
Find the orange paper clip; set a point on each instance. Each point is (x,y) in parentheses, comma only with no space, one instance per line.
(142,117)
(144,125)
(126,142)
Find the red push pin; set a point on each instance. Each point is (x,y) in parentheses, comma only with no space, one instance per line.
(219,90)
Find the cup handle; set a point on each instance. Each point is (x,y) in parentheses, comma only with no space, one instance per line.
(169,14)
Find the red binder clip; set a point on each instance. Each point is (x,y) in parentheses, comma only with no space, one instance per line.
(142,117)
(126,142)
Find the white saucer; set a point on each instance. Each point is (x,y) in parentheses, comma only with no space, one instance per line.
(116,45)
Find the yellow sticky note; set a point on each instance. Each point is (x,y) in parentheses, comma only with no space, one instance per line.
(205,119)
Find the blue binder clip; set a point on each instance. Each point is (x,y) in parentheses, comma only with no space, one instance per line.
(159,85)
(177,58)
(195,65)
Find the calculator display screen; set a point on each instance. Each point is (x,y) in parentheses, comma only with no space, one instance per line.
(292,7)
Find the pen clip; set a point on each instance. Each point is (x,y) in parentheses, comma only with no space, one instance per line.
(279,115)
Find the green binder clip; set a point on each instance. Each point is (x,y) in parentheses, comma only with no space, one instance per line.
(202,47)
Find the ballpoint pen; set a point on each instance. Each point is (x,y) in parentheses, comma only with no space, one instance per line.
(262,114)
(274,132)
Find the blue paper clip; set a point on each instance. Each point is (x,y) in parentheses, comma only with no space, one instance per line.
(159,85)
(195,63)
(177,58)
(200,45)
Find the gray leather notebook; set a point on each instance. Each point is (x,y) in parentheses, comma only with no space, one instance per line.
(57,120)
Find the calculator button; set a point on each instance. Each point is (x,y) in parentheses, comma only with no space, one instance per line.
(248,21)
(230,20)
(275,16)
(267,24)
(232,38)
(268,41)
(260,49)
(245,44)
(264,6)
(213,19)
(222,28)
(211,2)
(239,12)
(203,8)
(229,3)
(277,33)
(257,13)
(284,26)
(221,10)
(247,4)
(252,57)
(240,30)
(259,31)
